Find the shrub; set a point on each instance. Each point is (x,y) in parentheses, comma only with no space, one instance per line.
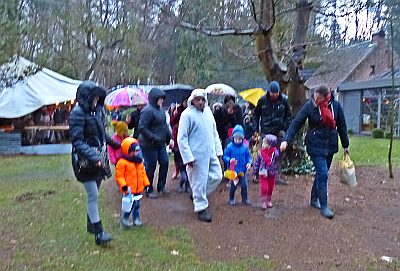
(388,135)
(377,133)
(350,131)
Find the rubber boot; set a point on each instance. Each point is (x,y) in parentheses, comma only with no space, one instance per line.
(89,225)
(125,221)
(136,213)
(101,237)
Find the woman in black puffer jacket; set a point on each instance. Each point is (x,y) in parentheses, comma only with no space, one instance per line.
(89,153)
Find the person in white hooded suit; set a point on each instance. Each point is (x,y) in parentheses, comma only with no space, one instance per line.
(201,150)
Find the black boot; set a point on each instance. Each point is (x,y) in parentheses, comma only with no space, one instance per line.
(204,216)
(89,225)
(101,237)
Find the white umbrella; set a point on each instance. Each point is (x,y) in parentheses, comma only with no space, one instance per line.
(220,89)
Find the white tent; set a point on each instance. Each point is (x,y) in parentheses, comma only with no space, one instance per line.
(31,92)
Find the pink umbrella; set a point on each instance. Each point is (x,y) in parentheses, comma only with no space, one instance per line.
(126,96)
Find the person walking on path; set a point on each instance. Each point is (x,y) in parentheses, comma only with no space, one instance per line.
(154,134)
(325,121)
(201,151)
(184,185)
(131,177)
(133,120)
(272,115)
(265,167)
(89,152)
(238,153)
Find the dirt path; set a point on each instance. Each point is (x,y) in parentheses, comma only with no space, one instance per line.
(366,225)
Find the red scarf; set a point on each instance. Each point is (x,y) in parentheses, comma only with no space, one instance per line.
(326,113)
(266,154)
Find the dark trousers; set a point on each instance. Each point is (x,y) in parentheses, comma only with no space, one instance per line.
(319,190)
(243,187)
(184,183)
(151,156)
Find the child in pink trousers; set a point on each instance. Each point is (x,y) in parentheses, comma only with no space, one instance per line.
(121,132)
(266,167)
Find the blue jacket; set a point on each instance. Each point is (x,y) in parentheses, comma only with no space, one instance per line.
(320,140)
(238,151)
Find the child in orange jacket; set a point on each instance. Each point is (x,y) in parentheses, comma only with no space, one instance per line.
(130,175)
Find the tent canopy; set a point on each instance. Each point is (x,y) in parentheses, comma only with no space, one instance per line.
(33,91)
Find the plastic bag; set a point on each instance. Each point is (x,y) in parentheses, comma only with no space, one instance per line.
(127,201)
(347,171)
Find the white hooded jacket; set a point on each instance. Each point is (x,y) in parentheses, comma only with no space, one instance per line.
(198,138)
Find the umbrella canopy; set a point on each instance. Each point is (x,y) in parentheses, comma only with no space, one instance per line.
(252,95)
(126,96)
(220,89)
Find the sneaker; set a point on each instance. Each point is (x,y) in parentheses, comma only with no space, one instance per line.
(269,204)
(204,216)
(315,203)
(327,213)
(152,195)
(232,202)
(247,202)
(264,205)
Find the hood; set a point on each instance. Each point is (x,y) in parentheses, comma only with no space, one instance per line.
(126,144)
(87,91)
(198,92)
(154,95)
(238,131)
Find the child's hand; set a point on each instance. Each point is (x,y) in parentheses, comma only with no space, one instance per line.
(248,166)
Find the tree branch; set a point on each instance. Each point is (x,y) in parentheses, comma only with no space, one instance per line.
(219,32)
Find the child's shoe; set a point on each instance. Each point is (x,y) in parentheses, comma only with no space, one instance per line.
(247,202)
(264,205)
(125,221)
(232,202)
(269,204)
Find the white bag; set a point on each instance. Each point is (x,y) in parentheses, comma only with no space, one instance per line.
(347,171)
(127,202)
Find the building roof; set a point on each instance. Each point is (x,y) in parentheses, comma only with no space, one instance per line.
(380,82)
(339,64)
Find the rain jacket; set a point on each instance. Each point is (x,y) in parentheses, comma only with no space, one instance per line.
(320,139)
(87,129)
(240,152)
(129,173)
(153,128)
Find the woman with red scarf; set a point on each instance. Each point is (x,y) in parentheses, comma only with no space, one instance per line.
(325,122)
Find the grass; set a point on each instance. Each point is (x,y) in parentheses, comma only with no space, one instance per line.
(42,226)
(371,151)
(42,222)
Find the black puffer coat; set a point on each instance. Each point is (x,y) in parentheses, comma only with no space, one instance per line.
(320,139)
(153,127)
(87,129)
(271,117)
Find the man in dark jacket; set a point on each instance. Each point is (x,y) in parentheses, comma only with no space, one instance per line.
(89,153)
(272,115)
(325,121)
(133,120)
(154,133)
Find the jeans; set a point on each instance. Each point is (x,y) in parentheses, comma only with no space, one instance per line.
(243,187)
(319,190)
(92,192)
(151,156)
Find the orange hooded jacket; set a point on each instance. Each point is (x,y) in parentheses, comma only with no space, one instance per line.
(129,173)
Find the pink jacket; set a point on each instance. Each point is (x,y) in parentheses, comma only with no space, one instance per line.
(115,154)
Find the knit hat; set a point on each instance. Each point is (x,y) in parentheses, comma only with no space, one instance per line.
(271,140)
(274,87)
(121,128)
(238,131)
(134,147)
